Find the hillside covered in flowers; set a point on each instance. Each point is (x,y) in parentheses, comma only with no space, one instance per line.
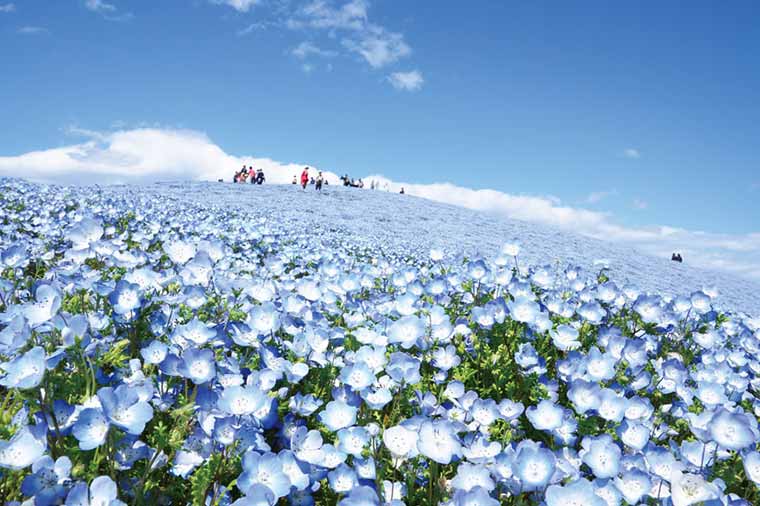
(212,344)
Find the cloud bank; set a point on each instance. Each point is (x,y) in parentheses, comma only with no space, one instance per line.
(159,154)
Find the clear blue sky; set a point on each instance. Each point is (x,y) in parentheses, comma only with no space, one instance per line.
(652,102)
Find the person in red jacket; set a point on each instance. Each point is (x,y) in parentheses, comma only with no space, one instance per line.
(305,177)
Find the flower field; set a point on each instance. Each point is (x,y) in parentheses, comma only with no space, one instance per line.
(160,350)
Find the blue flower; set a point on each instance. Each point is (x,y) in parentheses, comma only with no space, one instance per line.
(404,368)
(533,465)
(545,416)
(477,496)
(470,476)
(154,353)
(578,493)
(342,479)
(23,449)
(238,400)
(48,482)
(437,440)
(263,469)
(602,455)
(124,408)
(91,428)
(338,415)
(353,440)
(633,484)
(733,431)
(360,496)
(24,371)
(125,298)
(406,331)
(102,492)
(358,376)
(446,358)
(198,365)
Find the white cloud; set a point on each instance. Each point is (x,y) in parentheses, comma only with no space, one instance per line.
(32,30)
(322,15)
(596,197)
(306,49)
(238,5)
(375,44)
(251,28)
(640,204)
(7,7)
(407,81)
(99,6)
(631,153)
(378,46)
(151,154)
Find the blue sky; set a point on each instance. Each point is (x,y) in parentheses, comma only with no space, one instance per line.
(646,111)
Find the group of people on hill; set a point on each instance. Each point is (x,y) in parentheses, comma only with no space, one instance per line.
(676,257)
(353,183)
(256,175)
(306,180)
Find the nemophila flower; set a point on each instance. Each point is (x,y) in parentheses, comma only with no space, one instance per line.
(179,251)
(154,353)
(198,365)
(239,400)
(195,331)
(400,441)
(360,496)
(633,434)
(700,302)
(523,309)
(406,331)
(751,462)
(14,256)
(612,405)
(592,312)
(600,366)
(733,431)
(545,416)
(48,482)
(437,440)
(24,371)
(47,302)
(296,471)
(577,493)
(342,479)
(484,412)
(91,428)
(634,485)
(14,336)
(602,455)
(265,318)
(479,450)
(446,358)
(358,376)
(263,469)
(533,465)
(527,357)
(585,395)
(510,410)
(307,445)
(470,476)
(102,492)
(125,298)
(124,408)
(565,338)
(376,398)
(690,489)
(304,405)
(338,415)
(403,368)
(27,445)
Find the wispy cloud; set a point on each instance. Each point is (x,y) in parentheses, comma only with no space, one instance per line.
(99,6)
(7,7)
(378,46)
(252,28)
(150,154)
(640,204)
(631,153)
(306,49)
(238,5)
(321,14)
(33,30)
(407,81)
(596,197)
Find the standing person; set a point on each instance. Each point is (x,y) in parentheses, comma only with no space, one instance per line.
(259,177)
(319,182)
(402,190)
(305,177)
(295,179)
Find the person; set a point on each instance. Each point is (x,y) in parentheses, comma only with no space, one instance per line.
(312,180)
(259,177)
(253,175)
(295,179)
(305,177)
(402,190)
(346,180)
(319,182)
(361,184)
